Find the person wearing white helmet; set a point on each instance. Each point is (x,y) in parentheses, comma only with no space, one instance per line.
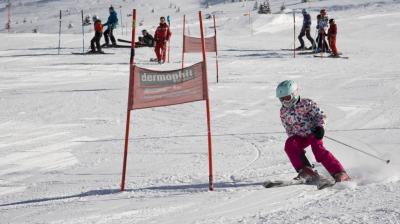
(304,123)
(98,33)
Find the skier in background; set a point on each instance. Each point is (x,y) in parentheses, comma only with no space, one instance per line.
(322,26)
(161,38)
(111,24)
(305,31)
(332,31)
(98,29)
(146,40)
(304,123)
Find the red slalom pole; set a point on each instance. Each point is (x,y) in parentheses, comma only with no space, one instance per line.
(203,46)
(130,97)
(216,49)
(183,39)
(132,60)
(169,41)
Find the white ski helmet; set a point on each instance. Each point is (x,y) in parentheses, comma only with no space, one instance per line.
(95,18)
(287,92)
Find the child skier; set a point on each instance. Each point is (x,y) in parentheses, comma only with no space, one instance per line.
(161,37)
(304,124)
(332,37)
(98,29)
(111,24)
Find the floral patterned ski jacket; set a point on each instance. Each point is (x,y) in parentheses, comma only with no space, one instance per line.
(302,117)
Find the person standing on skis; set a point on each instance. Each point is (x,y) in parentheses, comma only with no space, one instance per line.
(332,31)
(305,31)
(98,29)
(161,37)
(322,26)
(304,123)
(111,24)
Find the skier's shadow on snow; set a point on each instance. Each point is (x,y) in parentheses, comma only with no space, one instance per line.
(41,48)
(200,187)
(189,188)
(30,55)
(85,194)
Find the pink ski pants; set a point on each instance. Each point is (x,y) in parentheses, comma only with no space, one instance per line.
(294,148)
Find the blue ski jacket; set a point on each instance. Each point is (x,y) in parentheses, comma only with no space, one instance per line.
(306,21)
(112,20)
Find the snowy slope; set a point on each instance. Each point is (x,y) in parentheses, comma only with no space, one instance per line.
(62,119)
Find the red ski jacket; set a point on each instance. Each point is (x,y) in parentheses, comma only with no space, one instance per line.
(332,31)
(98,27)
(162,33)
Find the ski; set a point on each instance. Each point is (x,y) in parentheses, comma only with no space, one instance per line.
(115,46)
(331,56)
(306,53)
(291,49)
(282,183)
(125,41)
(90,53)
(322,183)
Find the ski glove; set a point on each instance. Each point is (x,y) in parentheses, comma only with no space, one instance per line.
(318,132)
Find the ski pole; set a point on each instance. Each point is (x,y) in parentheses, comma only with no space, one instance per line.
(359,150)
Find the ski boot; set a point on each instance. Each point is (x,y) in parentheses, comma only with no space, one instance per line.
(308,175)
(341,177)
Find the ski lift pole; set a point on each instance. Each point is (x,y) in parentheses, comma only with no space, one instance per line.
(122,25)
(83,35)
(59,35)
(387,161)
(216,48)
(294,34)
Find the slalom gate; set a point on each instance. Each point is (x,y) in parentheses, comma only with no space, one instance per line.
(194,44)
(149,88)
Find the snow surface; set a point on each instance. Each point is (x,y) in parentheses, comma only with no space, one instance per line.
(62,118)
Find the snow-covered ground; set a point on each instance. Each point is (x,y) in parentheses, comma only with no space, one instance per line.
(62,119)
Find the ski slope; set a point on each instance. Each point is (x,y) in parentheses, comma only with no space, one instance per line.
(62,118)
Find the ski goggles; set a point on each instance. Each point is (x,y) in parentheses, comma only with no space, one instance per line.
(286,98)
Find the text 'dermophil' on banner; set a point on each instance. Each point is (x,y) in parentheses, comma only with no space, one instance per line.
(162,88)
